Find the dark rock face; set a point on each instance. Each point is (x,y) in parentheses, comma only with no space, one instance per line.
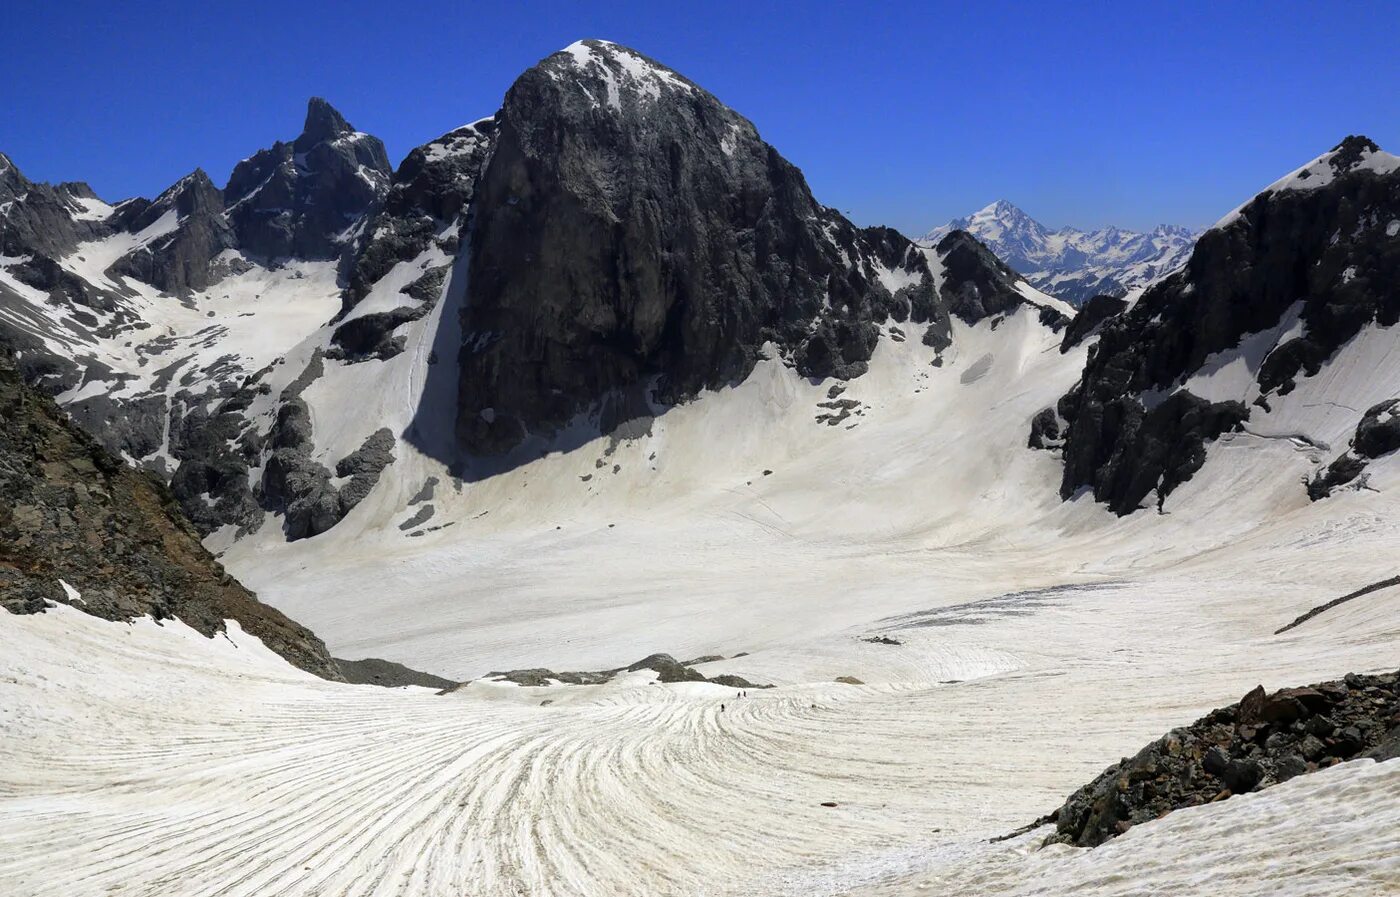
(135,426)
(371,336)
(426,204)
(44,273)
(40,219)
(979,285)
(1045,430)
(1125,451)
(1264,739)
(300,199)
(69,510)
(1377,434)
(183,261)
(633,233)
(300,487)
(215,451)
(1325,247)
(430,191)
(1092,315)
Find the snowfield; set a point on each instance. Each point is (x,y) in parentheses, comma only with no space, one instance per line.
(1038,641)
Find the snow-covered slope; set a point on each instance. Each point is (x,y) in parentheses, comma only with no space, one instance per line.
(957,640)
(218,768)
(1071,263)
(141,318)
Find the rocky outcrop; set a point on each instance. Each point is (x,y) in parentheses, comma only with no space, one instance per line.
(302,199)
(1319,239)
(215,451)
(71,513)
(633,234)
(1377,435)
(1264,739)
(181,260)
(1091,318)
(978,285)
(666,667)
(300,488)
(429,193)
(388,674)
(420,217)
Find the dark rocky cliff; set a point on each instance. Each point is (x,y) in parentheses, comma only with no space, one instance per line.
(1319,239)
(183,261)
(299,199)
(633,234)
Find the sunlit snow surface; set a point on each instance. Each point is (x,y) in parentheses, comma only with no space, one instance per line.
(1040,641)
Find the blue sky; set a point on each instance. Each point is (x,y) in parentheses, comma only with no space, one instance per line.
(904,114)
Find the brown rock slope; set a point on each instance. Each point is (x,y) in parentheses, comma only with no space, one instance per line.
(70,510)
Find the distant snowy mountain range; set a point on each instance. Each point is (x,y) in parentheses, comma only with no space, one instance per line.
(1074,264)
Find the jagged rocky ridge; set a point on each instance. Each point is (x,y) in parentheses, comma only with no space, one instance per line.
(1264,739)
(71,513)
(89,292)
(246,470)
(628,241)
(1321,239)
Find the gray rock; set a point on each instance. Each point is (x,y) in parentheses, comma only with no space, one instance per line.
(1377,434)
(1326,247)
(722,248)
(295,200)
(1262,740)
(182,262)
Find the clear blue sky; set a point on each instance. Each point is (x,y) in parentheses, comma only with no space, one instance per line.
(905,114)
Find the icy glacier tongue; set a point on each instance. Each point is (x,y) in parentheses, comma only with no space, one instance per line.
(1074,264)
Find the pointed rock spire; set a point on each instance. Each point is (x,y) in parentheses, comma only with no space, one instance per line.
(323,123)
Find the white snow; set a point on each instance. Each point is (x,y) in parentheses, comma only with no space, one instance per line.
(1073,261)
(93,209)
(1040,640)
(1319,173)
(1043,300)
(149,757)
(73,594)
(621,68)
(457,142)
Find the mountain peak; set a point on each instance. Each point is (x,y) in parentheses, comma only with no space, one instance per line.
(1354,154)
(1003,207)
(608,73)
(323,123)
(1070,263)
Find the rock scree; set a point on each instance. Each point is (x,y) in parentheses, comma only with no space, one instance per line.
(1266,738)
